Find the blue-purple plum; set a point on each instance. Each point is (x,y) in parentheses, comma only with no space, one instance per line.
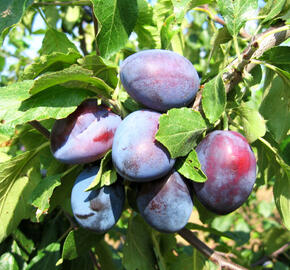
(85,135)
(97,210)
(159,79)
(230,166)
(165,204)
(136,155)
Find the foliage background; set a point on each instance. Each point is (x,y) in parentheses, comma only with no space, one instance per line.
(240,91)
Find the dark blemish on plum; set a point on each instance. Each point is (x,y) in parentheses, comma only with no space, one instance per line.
(131,165)
(104,137)
(84,216)
(156,205)
(96,205)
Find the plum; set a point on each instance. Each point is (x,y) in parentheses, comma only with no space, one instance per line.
(85,135)
(166,203)
(230,166)
(159,79)
(97,210)
(136,155)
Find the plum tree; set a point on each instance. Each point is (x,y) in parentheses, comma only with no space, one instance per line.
(85,135)
(165,204)
(97,210)
(136,155)
(159,79)
(230,166)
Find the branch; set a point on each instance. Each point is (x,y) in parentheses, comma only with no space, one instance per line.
(261,43)
(60,3)
(208,252)
(45,132)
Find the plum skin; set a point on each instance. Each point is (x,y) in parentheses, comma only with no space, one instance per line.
(159,79)
(165,204)
(230,166)
(85,135)
(97,210)
(136,155)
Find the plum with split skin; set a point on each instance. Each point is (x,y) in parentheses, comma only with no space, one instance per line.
(159,79)
(136,155)
(165,204)
(230,166)
(85,135)
(97,210)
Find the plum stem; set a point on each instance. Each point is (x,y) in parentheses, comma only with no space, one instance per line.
(208,252)
(45,132)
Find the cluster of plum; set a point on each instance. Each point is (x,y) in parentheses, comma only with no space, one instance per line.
(159,80)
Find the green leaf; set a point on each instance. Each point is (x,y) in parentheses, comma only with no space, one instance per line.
(106,175)
(278,56)
(146,28)
(51,15)
(55,41)
(18,178)
(193,226)
(275,108)
(56,102)
(274,239)
(2,63)
(156,237)
(10,14)
(72,16)
(73,73)
(168,30)
(180,8)
(79,242)
(25,243)
(276,6)
(46,258)
(282,182)
(178,130)
(41,194)
(102,68)
(162,10)
(214,99)
(10,100)
(191,168)
(253,124)
(138,249)
(43,63)
(282,196)
(237,12)
(8,262)
(117,19)
(196,3)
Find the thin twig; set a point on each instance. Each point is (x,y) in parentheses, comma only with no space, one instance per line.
(60,3)
(208,252)
(219,20)
(94,260)
(274,255)
(45,132)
